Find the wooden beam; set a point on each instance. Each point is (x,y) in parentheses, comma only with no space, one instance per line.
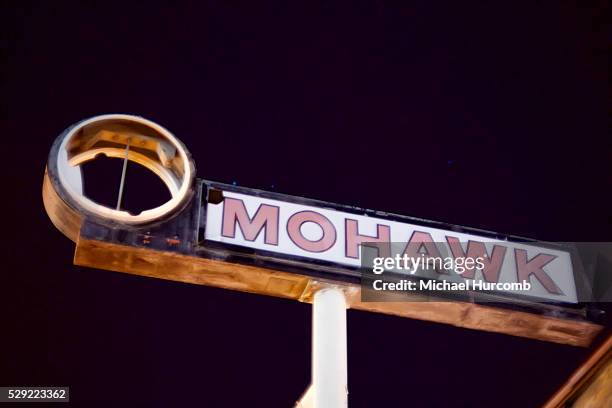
(591,383)
(260,280)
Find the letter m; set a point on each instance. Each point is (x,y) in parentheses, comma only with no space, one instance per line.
(265,218)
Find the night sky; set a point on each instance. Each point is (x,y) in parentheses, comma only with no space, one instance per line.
(489,115)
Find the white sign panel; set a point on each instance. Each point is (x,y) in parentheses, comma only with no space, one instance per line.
(334,236)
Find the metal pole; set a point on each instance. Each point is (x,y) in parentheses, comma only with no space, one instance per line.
(125,162)
(329,361)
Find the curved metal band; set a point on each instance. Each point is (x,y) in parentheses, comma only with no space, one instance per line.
(149,145)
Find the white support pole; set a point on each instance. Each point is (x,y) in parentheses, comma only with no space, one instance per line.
(329,361)
(306,400)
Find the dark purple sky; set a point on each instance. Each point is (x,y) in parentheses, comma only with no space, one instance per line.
(490,116)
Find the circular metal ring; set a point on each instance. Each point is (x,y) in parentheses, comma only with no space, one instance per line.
(118,136)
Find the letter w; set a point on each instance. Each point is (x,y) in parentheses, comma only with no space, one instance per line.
(492,264)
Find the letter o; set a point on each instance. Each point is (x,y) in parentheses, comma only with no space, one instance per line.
(294,229)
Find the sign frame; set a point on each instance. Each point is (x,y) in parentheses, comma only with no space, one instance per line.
(175,249)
